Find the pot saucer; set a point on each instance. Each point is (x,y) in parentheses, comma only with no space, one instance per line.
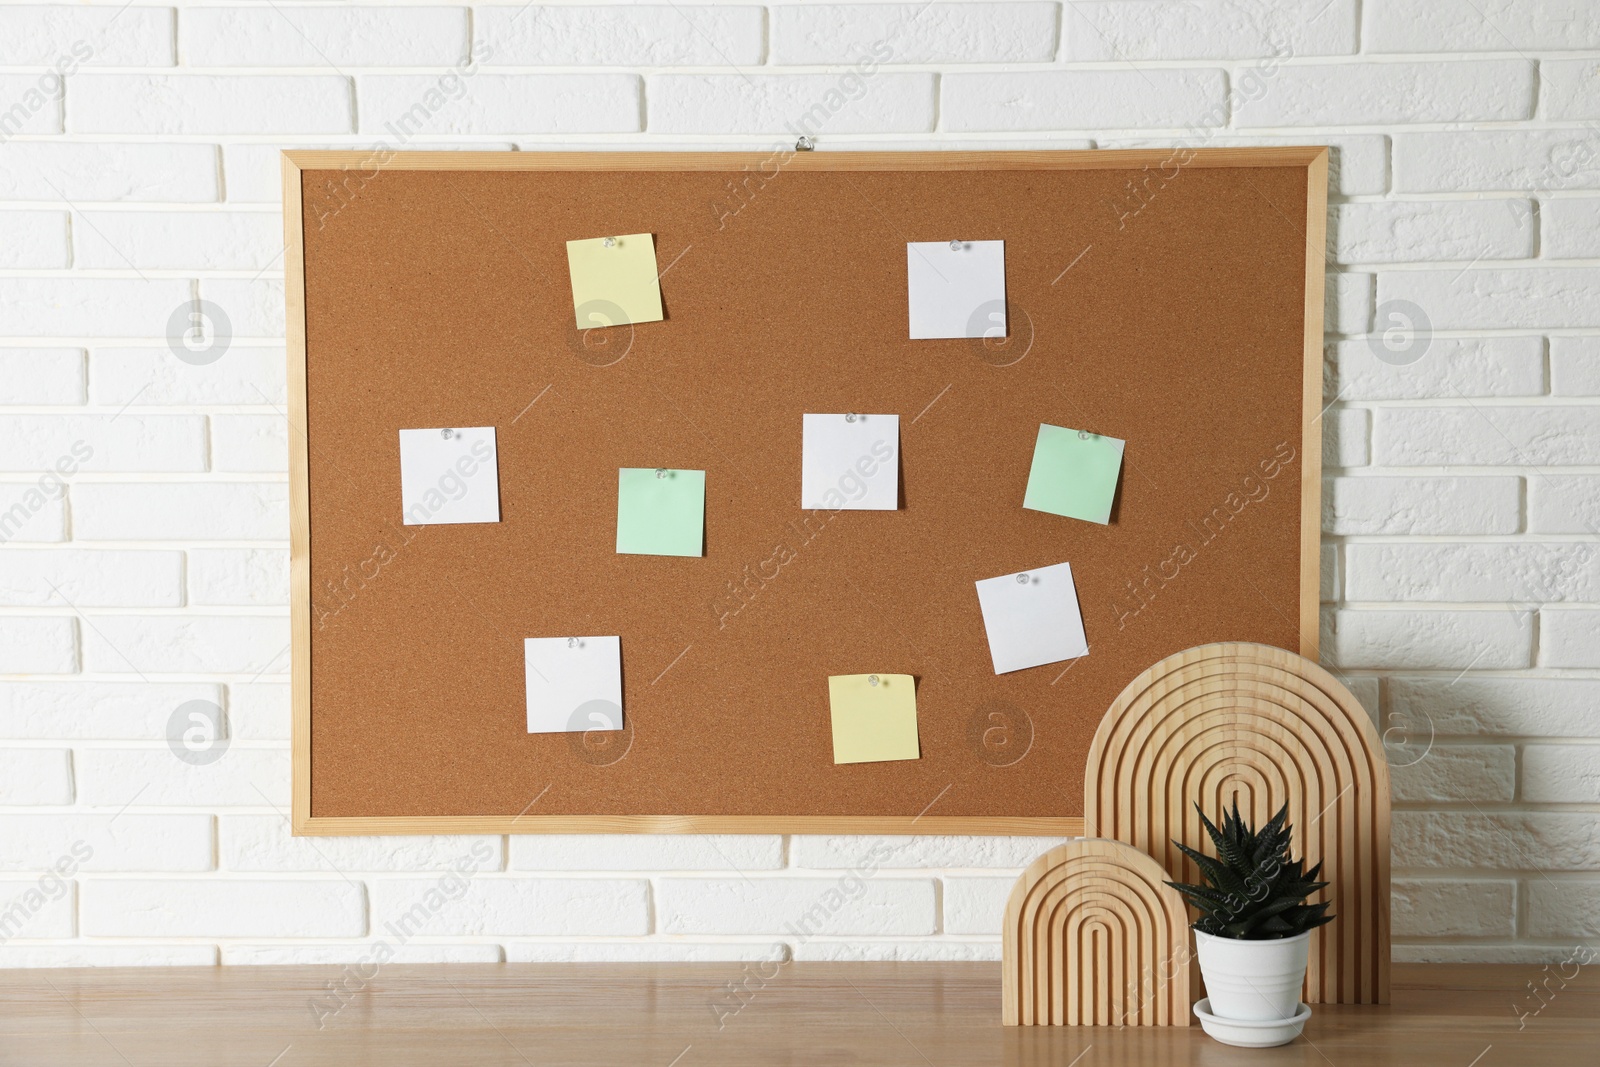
(1248,1034)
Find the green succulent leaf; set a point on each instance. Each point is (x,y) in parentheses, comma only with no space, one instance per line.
(1226,840)
(1252,888)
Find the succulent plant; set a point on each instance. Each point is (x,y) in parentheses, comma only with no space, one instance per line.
(1253,890)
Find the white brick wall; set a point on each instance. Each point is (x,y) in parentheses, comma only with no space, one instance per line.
(89,307)
(800,907)
(1084,99)
(106,172)
(41,375)
(1571,226)
(1453,366)
(1211,29)
(1460,26)
(975,905)
(201,103)
(1430,907)
(669,35)
(499,103)
(35,776)
(485,906)
(667,852)
(1412,231)
(45,644)
(209,907)
(1383,94)
(86,711)
(917,33)
(34,239)
(108,842)
(248,777)
(143,511)
(184,241)
(180,511)
(314,36)
(773,104)
(1574,366)
(105,578)
(136,377)
(111,35)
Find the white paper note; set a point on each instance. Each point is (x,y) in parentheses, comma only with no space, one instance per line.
(574,684)
(1032,618)
(850,462)
(956,292)
(449,475)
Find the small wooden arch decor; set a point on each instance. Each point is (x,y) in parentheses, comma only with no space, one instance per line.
(1093,937)
(1266,726)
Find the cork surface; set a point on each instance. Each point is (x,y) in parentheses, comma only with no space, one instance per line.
(1174,320)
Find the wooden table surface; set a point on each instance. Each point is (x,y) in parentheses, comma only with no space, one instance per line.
(682,1015)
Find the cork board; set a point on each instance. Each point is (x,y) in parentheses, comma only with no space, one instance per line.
(1173,300)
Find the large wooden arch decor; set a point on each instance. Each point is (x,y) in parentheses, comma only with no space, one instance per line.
(1266,726)
(1094,937)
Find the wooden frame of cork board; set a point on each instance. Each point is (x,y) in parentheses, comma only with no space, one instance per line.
(1172,298)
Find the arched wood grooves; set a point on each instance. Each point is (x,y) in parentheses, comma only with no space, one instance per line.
(1265,725)
(1093,938)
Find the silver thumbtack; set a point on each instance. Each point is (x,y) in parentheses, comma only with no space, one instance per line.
(447,434)
(610,242)
(805,144)
(872,679)
(1083,435)
(572,642)
(955,246)
(1022,579)
(661,472)
(850,417)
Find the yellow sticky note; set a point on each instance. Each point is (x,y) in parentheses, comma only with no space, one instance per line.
(874,717)
(615,283)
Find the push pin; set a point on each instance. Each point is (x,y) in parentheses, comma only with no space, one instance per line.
(850,417)
(661,472)
(955,246)
(610,242)
(447,434)
(1083,435)
(805,144)
(1022,579)
(872,679)
(572,642)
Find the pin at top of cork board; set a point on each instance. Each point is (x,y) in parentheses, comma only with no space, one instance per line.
(784,492)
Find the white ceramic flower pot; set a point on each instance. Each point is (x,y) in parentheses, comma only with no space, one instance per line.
(1253,981)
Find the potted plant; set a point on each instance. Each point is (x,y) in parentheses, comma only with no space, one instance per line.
(1254,930)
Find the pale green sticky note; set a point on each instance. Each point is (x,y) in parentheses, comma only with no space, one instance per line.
(661,512)
(874,717)
(614,283)
(1074,474)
